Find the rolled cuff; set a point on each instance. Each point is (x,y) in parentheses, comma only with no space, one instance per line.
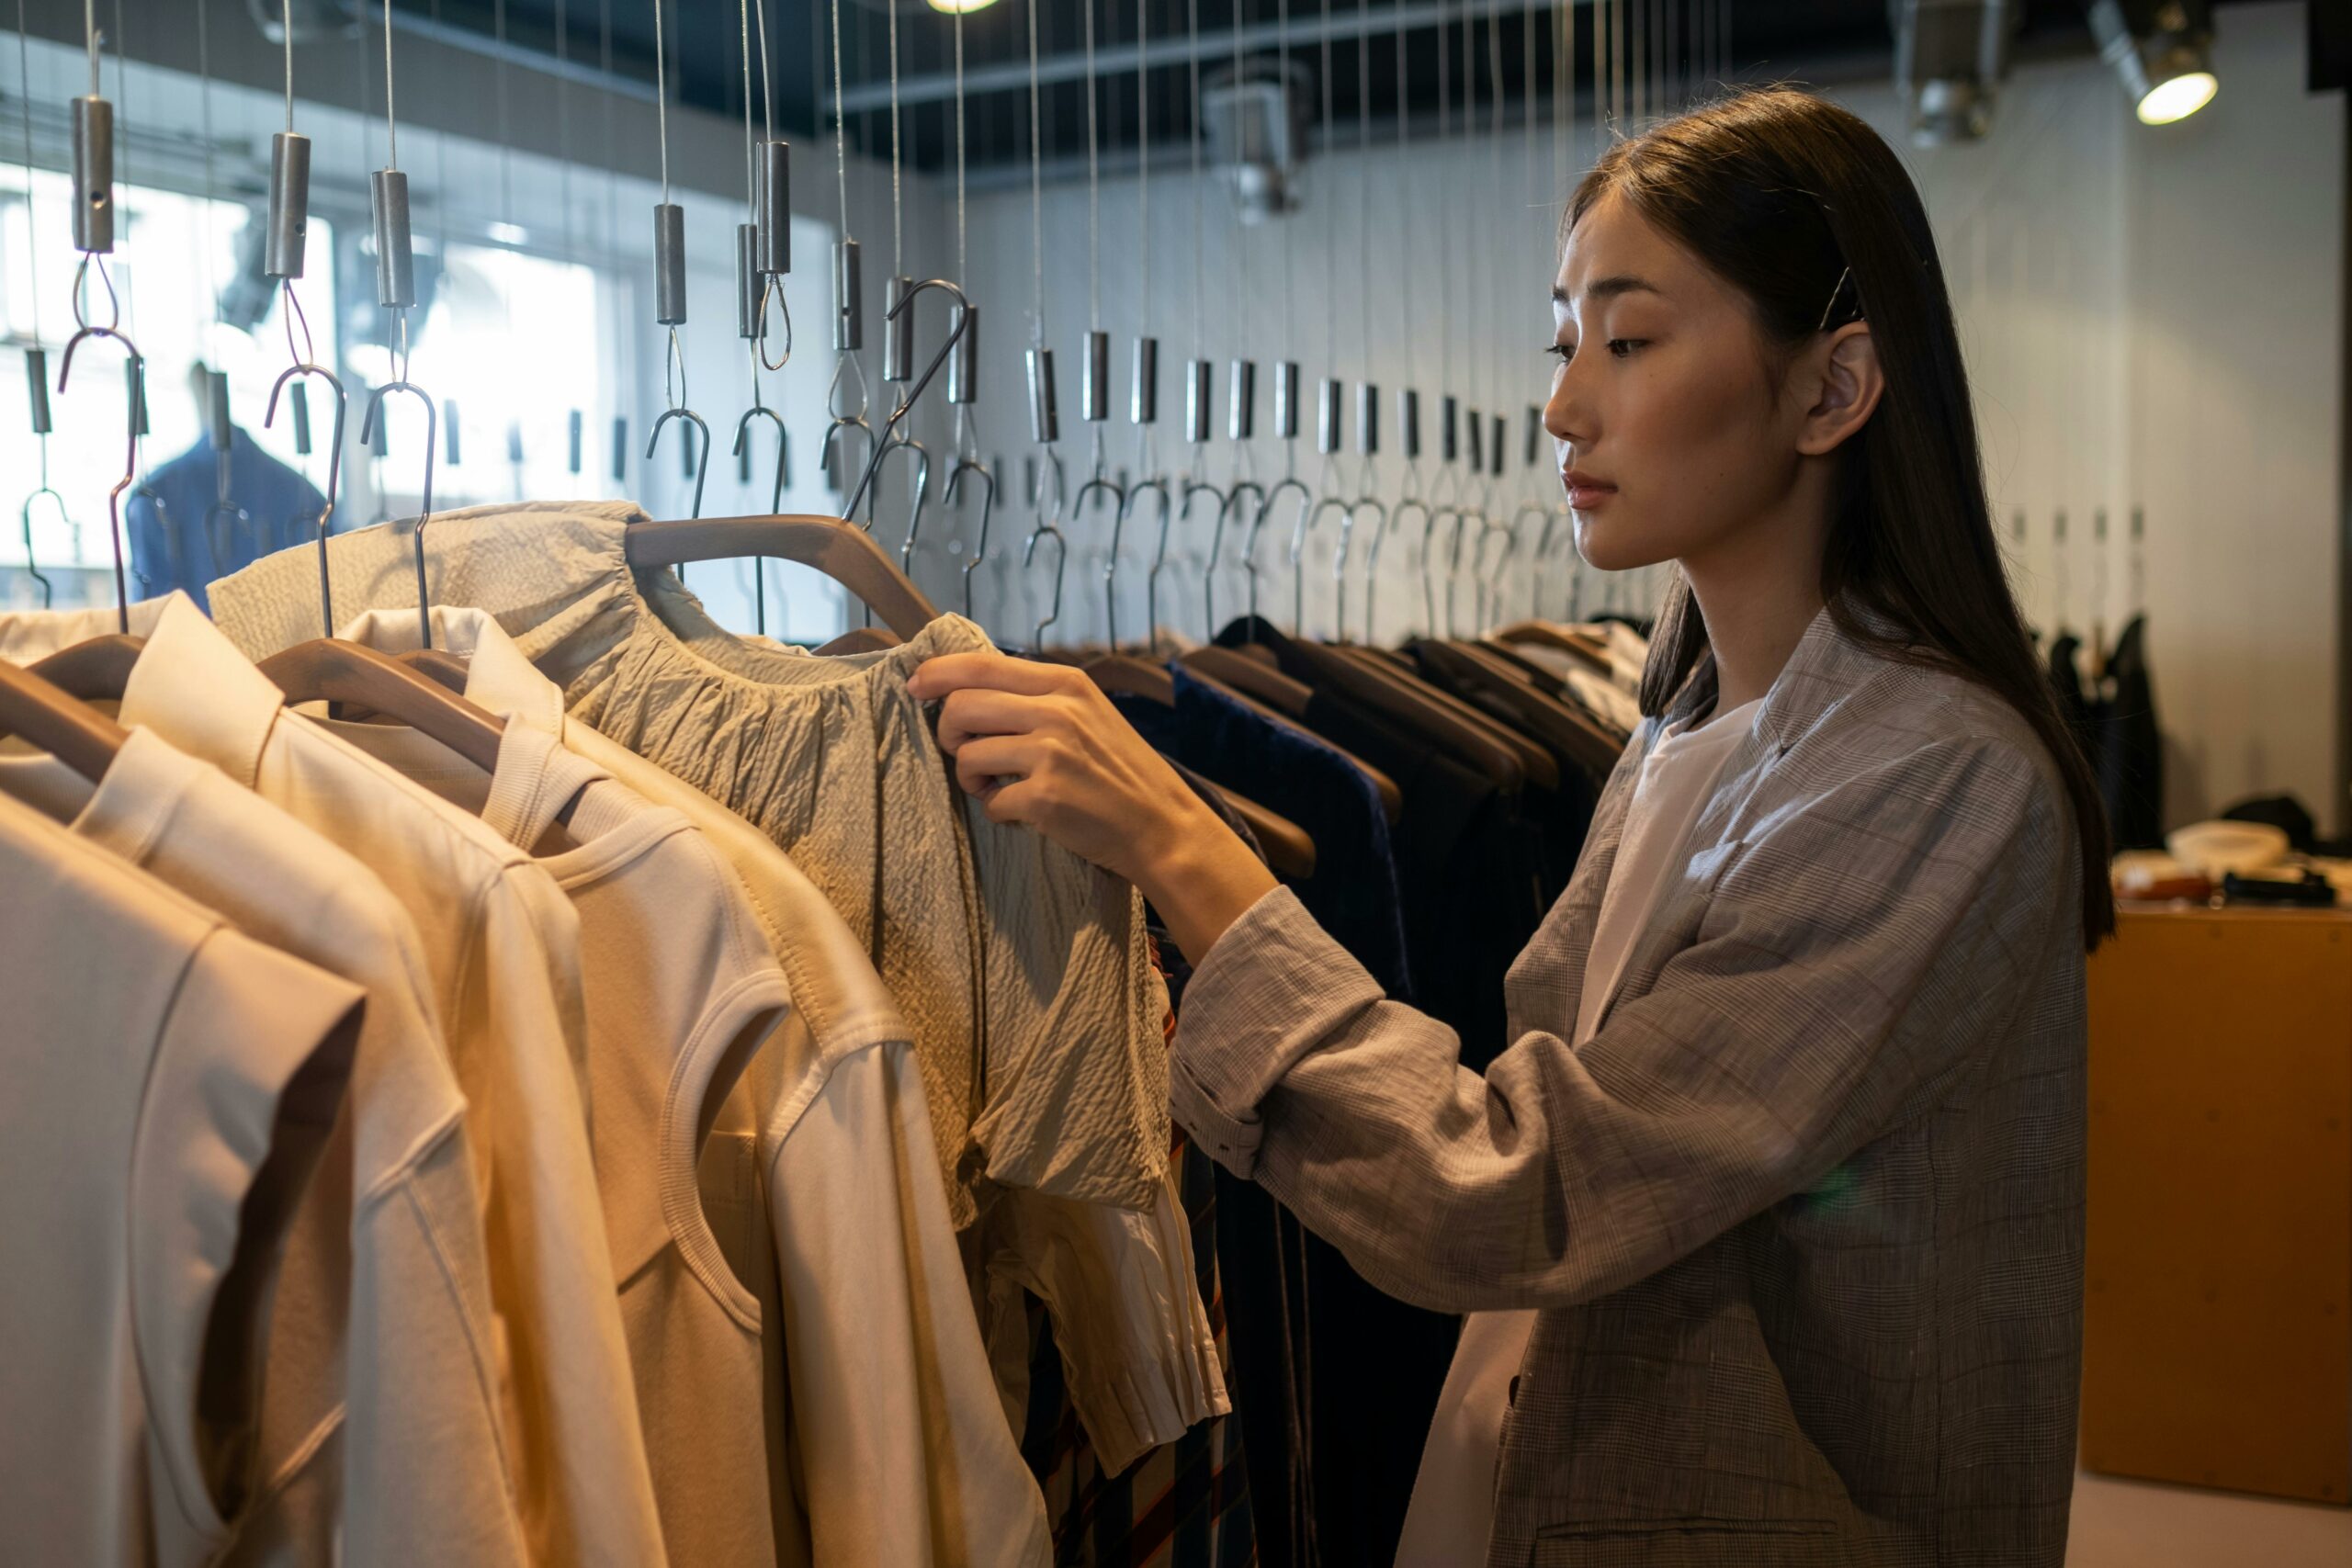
(1274,988)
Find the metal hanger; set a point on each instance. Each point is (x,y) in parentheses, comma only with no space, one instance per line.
(32,568)
(425,503)
(1061,564)
(135,370)
(968,462)
(775,494)
(335,469)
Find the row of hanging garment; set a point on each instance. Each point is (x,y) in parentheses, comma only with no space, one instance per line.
(1427,802)
(620,1113)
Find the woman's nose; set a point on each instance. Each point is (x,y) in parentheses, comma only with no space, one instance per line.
(1566,417)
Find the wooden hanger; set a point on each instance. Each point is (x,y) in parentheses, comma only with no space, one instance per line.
(859,639)
(1423,708)
(95,670)
(841,550)
(331,670)
(447,669)
(1264,681)
(1290,849)
(67,728)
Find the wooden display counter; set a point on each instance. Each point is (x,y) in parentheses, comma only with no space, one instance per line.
(2218,1323)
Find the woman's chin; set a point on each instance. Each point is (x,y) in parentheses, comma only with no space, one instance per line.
(1605,548)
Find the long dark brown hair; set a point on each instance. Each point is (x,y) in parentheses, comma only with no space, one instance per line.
(1780,194)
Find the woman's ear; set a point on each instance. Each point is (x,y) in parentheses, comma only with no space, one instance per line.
(1846,389)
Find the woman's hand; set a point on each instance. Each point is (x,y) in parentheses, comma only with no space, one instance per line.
(1040,744)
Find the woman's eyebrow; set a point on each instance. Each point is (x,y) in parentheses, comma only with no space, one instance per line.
(1601,288)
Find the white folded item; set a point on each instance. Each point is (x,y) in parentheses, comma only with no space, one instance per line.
(2218,848)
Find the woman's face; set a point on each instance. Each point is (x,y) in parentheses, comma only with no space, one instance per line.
(1661,399)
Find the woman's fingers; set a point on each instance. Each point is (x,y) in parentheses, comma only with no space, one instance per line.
(978,710)
(994,671)
(983,761)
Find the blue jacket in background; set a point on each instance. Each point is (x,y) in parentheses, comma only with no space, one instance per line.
(176,550)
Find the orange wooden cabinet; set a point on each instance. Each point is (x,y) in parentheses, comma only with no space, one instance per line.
(2218,1324)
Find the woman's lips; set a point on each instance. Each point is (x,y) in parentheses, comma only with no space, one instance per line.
(1585,497)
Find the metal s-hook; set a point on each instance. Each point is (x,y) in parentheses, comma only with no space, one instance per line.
(783,448)
(1216,545)
(425,503)
(1299,530)
(135,373)
(906,302)
(918,497)
(1428,582)
(1258,525)
(702,468)
(32,567)
(1391,519)
(1111,562)
(953,494)
(1061,564)
(335,469)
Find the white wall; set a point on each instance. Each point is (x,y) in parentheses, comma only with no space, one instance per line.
(2152,318)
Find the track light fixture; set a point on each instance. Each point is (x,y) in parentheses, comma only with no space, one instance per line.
(2162,51)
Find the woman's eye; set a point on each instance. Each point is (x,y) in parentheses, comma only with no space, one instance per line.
(1622,346)
(1560,351)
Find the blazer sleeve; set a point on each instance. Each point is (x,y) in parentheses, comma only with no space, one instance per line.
(1862,950)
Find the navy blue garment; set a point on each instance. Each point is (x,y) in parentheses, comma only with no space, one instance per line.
(1331,1458)
(1354,892)
(186,546)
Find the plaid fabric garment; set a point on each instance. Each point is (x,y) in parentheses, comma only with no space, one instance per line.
(1184,1505)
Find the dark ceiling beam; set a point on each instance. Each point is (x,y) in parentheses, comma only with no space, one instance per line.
(1118,60)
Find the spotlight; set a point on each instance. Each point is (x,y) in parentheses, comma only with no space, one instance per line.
(2162,53)
(952,7)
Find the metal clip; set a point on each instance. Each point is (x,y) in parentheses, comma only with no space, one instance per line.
(848,299)
(749,288)
(289,204)
(1408,427)
(963,368)
(1241,403)
(1285,402)
(1449,433)
(1498,428)
(1094,378)
(898,333)
(1045,414)
(1328,407)
(669,263)
(773,254)
(1143,393)
(1367,418)
(1200,393)
(93,176)
(36,389)
(395,263)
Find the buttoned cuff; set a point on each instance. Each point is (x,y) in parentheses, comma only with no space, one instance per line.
(1274,988)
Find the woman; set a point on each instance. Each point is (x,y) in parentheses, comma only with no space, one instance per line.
(1770,1219)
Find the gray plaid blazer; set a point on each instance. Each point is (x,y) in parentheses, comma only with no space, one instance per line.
(1803,1221)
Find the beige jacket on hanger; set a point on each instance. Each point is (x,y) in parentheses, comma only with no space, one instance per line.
(881,1390)
(502,948)
(169,1084)
(382,1339)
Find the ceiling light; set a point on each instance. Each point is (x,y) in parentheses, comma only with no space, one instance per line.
(1950,58)
(952,7)
(2162,53)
